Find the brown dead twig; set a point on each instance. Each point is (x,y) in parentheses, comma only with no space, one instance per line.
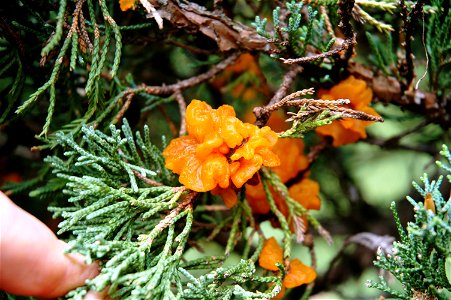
(262,113)
(185,204)
(124,108)
(313,106)
(309,107)
(309,242)
(173,89)
(182,108)
(78,26)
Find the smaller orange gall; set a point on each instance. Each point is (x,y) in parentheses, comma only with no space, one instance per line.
(251,85)
(297,272)
(306,193)
(292,161)
(126,4)
(348,131)
(429,202)
(271,254)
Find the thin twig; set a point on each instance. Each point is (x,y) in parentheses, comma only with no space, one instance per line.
(190,48)
(315,151)
(172,88)
(263,113)
(193,81)
(212,207)
(345,12)
(185,203)
(146,180)
(287,81)
(307,59)
(168,120)
(329,28)
(124,108)
(425,53)
(315,106)
(190,82)
(355,114)
(317,102)
(182,108)
(297,94)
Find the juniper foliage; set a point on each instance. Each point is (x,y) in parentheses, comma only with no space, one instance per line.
(421,259)
(123,212)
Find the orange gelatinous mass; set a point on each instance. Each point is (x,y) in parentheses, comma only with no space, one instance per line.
(429,203)
(220,151)
(298,274)
(126,4)
(270,255)
(348,130)
(306,193)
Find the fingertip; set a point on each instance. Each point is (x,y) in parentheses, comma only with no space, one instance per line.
(91,295)
(76,272)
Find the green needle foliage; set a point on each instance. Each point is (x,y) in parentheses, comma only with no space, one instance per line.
(421,260)
(137,231)
(295,36)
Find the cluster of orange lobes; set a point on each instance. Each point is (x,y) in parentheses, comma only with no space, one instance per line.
(220,152)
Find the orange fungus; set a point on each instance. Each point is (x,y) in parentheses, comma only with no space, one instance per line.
(126,4)
(297,272)
(292,162)
(220,151)
(348,130)
(270,255)
(429,202)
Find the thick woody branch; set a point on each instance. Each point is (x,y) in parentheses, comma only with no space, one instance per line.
(228,34)
(388,89)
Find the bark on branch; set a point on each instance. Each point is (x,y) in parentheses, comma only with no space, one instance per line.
(228,34)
